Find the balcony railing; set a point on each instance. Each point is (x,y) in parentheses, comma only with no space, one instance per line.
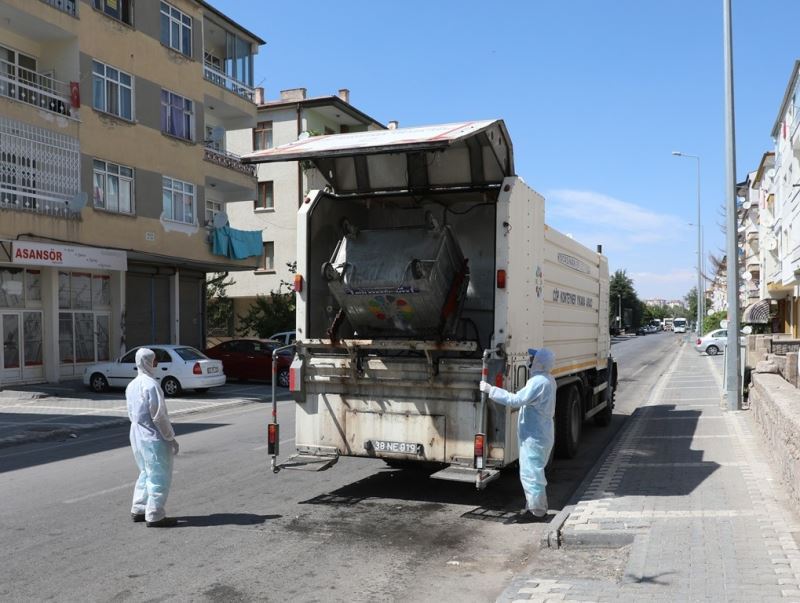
(34,88)
(65,6)
(228,160)
(39,170)
(215,76)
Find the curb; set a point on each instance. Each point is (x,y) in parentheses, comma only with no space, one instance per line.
(63,433)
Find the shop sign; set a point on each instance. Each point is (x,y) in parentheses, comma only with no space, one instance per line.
(68,256)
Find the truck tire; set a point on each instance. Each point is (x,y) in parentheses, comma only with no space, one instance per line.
(569,421)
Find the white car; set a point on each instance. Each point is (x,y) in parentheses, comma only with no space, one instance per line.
(714,342)
(178,367)
(286,337)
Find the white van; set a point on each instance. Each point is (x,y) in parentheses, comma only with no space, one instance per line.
(679,325)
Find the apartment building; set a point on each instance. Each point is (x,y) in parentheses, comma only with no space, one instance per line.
(282,186)
(113,165)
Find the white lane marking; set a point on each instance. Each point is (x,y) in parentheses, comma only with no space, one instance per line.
(639,370)
(281,443)
(683,387)
(106,491)
(110,409)
(99,493)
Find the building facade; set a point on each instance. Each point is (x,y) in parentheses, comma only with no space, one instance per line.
(282,186)
(113,164)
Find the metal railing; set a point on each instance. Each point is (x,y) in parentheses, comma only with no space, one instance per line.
(65,6)
(34,88)
(215,76)
(228,160)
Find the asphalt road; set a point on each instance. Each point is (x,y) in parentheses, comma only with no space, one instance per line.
(358,532)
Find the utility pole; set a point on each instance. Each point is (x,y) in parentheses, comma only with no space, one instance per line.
(732,389)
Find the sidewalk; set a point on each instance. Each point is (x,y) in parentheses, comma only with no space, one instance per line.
(688,489)
(45,412)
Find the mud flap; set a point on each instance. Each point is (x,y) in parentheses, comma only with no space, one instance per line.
(480,477)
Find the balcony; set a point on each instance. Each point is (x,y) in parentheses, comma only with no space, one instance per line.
(215,76)
(39,171)
(229,160)
(34,88)
(65,6)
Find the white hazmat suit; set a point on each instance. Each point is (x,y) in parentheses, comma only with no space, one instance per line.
(537,403)
(152,439)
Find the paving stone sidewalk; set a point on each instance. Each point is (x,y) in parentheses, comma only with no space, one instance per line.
(688,486)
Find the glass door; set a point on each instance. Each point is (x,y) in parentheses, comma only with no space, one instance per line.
(10,331)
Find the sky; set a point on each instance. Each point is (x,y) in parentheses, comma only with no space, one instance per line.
(596,94)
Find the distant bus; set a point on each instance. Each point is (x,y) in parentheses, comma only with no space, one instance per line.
(679,325)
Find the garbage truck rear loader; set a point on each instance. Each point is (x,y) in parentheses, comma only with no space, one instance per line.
(424,264)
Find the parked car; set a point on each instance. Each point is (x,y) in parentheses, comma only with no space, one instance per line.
(252,359)
(642,331)
(178,367)
(285,337)
(714,342)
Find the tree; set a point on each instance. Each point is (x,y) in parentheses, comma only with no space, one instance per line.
(219,307)
(271,313)
(622,293)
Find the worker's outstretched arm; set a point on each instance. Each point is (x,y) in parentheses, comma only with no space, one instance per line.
(533,390)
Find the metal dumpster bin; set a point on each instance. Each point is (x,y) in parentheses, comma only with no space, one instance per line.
(399,281)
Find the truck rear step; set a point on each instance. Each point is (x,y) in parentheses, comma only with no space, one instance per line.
(479,477)
(309,462)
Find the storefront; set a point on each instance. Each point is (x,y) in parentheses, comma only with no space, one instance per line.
(61,308)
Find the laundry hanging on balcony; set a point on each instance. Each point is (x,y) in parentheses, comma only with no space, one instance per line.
(236,244)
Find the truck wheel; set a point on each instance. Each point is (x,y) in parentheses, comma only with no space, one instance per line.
(569,421)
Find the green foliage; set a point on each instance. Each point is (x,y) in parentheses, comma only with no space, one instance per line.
(271,313)
(622,296)
(219,307)
(711,323)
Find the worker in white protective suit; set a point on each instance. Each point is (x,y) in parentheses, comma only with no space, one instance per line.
(153,442)
(537,403)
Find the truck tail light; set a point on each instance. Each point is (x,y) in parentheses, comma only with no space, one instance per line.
(480,449)
(501,279)
(196,369)
(298,283)
(272,438)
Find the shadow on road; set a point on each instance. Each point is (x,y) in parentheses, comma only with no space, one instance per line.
(65,444)
(223,519)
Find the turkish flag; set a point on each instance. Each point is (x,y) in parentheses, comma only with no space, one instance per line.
(75,95)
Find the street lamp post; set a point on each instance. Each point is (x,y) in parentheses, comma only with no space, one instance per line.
(699,250)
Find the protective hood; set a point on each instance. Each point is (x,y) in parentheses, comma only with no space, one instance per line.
(543,361)
(145,358)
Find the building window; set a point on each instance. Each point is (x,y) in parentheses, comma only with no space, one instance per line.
(262,136)
(112,90)
(84,302)
(178,200)
(269,256)
(177,115)
(212,209)
(266,195)
(176,29)
(116,9)
(113,187)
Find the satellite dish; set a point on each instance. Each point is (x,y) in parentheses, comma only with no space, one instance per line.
(723,324)
(767,221)
(747,205)
(770,243)
(220,219)
(748,276)
(747,330)
(710,312)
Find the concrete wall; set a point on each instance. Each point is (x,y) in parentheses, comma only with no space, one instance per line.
(776,409)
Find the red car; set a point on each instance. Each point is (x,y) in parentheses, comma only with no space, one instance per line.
(252,359)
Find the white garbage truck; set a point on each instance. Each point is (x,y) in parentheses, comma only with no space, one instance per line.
(423,265)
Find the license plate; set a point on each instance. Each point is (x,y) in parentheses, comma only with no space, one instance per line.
(396,447)
(213,369)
